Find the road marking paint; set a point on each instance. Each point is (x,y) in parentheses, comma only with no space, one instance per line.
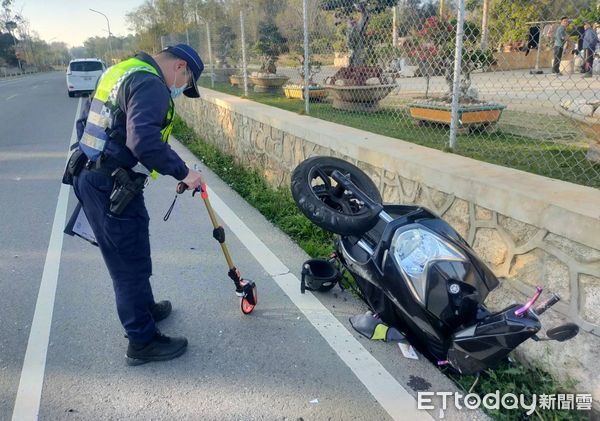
(29,393)
(15,81)
(29,78)
(390,394)
(12,96)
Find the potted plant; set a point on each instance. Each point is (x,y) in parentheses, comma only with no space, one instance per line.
(585,113)
(362,84)
(270,45)
(238,80)
(316,91)
(224,45)
(435,50)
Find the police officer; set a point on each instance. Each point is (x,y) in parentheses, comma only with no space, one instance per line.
(127,124)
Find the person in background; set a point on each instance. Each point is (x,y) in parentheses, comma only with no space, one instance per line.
(590,42)
(578,52)
(560,38)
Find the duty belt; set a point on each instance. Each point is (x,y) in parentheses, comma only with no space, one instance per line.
(105,165)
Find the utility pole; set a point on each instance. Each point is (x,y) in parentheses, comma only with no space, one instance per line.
(109,34)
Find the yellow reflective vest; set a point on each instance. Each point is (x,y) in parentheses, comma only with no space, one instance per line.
(104,108)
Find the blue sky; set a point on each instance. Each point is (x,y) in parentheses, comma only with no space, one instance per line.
(72,22)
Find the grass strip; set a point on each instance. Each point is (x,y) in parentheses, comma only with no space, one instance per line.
(551,159)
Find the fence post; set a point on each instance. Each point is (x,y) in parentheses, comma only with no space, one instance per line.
(306,59)
(395,25)
(485,24)
(457,70)
(212,66)
(244,63)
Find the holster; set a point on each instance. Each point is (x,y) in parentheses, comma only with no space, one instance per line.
(75,164)
(127,185)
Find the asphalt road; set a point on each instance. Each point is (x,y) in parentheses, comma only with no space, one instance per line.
(295,357)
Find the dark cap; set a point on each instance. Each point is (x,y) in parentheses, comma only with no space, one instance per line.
(194,62)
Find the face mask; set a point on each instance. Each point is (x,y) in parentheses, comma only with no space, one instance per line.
(175,91)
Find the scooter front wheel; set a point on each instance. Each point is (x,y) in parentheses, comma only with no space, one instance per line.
(329,206)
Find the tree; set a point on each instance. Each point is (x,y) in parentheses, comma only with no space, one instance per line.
(269,46)
(122,47)
(78,52)
(357,39)
(411,13)
(508,18)
(147,22)
(9,22)
(435,44)
(180,20)
(7,50)
(224,43)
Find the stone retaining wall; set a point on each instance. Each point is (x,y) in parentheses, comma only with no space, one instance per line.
(531,230)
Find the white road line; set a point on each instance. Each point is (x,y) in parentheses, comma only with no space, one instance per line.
(390,394)
(12,96)
(30,78)
(27,403)
(15,81)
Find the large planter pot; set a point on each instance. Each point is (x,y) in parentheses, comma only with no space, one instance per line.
(470,116)
(222,74)
(238,80)
(315,93)
(358,98)
(591,127)
(268,84)
(593,153)
(341,59)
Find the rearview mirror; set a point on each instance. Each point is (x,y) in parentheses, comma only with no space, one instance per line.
(563,332)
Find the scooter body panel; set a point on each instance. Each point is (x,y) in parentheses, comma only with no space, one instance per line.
(488,342)
(429,322)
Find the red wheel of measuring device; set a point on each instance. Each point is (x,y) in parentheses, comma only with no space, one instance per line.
(250,298)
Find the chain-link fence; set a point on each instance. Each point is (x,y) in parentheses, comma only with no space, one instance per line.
(503,81)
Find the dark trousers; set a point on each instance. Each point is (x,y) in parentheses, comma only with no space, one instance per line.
(589,60)
(558,52)
(125,245)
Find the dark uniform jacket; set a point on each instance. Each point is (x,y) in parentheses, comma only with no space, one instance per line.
(144,101)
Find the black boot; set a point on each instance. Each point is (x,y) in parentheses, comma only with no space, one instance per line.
(160,310)
(161,348)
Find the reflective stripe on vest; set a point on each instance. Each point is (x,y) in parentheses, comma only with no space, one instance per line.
(104,104)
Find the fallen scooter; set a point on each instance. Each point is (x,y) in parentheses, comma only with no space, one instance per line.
(415,271)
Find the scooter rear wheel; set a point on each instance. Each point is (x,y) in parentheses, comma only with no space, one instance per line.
(326,205)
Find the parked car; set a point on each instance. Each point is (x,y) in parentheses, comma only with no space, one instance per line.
(83,74)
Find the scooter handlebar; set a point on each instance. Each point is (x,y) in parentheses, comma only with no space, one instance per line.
(545,305)
(525,308)
(347,184)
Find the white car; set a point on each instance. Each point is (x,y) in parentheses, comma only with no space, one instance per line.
(83,74)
